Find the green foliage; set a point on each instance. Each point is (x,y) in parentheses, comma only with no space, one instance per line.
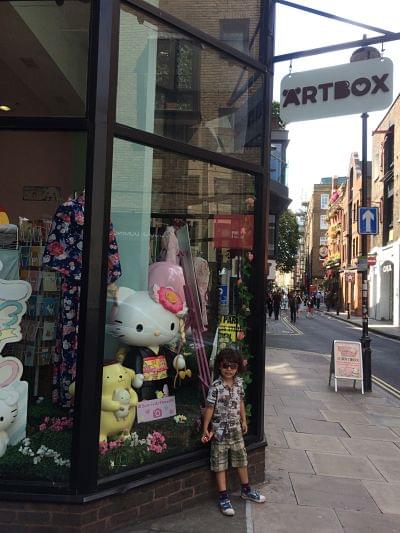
(276,114)
(287,242)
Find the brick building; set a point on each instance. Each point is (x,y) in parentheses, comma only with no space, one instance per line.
(384,275)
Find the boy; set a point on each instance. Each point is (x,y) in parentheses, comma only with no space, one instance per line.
(226,411)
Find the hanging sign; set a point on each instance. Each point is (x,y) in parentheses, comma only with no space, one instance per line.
(346,362)
(356,87)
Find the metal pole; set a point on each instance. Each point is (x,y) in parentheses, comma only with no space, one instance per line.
(365,339)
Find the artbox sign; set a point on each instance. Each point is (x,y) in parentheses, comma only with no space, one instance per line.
(356,87)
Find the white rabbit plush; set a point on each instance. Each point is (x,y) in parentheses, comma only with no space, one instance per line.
(8,414)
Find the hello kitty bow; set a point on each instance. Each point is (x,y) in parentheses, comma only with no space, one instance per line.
(169,299)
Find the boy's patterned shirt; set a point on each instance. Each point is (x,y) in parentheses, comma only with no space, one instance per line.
(226,416)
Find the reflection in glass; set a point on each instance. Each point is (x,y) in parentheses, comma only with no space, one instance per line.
(41,228)
(235,22)
(44,56)
(185,234)
(174,86)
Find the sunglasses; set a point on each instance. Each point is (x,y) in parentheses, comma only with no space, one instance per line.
(232,366)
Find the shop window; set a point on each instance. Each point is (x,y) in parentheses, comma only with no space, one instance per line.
(44,58)
(174,86)
(242,32)
(184,233)
(41,231)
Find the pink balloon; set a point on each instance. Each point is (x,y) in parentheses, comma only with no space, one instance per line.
(166,274)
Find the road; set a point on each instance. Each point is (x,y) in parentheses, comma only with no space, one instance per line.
(316,335)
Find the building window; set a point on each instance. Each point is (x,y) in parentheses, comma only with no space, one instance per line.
(323,240)
(324,200)
(235,32)
(277,165)
(388,211)
(323,224)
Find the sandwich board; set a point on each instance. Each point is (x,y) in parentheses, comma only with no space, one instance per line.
(346,362)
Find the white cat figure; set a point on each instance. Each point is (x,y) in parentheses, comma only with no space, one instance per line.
(8,414)
(145,325)
(122,396)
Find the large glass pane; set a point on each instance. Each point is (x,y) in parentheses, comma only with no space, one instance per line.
(44,57)
(41,225)
(235,22)
(174,86)
(185,233)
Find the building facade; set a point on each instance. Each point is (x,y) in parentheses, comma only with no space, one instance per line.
(384,275)
(135,177)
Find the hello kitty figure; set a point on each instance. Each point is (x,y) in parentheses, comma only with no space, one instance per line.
(144,324)
(8,415)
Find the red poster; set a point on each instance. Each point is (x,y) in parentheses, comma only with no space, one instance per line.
(234,231)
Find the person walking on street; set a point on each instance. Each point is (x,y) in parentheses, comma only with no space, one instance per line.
(276,297)
(270,304)
(310,307)
(293,307)
(318,296)
(225,411)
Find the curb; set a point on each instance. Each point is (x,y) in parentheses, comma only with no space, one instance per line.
(378,332)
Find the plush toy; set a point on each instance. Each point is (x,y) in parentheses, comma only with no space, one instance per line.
(8,414)
(144,324)
(118,401)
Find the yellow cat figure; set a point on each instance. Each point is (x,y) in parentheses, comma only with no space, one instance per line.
(115,378)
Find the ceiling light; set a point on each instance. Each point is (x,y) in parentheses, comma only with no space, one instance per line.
(4,107)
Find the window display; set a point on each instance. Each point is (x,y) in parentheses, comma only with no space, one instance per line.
(185,242)
(40,264)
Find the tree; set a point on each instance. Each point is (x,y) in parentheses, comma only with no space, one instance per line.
(287,242)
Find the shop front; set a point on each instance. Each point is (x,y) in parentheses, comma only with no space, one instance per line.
(133,228)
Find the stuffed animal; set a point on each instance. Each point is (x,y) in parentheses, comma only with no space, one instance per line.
(8,414)
(118,401)
(144,324)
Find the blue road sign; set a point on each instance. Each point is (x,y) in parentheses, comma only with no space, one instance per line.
(368,221)
(223,294)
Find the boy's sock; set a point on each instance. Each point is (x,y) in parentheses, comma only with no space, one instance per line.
(223,495)
(246,488)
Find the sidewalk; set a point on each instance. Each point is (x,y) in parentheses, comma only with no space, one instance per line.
(333,460)
(382,327)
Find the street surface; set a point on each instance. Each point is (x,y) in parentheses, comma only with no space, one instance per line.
(316,335)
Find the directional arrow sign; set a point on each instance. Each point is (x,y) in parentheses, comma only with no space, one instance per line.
(368,221)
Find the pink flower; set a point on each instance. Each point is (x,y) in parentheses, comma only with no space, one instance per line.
(42,427)
(55,248)
(170,299)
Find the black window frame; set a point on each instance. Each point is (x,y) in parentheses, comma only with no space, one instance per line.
(101,128)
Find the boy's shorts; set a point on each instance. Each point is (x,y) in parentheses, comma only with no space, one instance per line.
(233,443)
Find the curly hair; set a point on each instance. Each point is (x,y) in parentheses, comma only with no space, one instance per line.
(228,355)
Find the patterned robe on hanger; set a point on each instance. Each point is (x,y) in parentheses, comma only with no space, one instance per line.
(63,253)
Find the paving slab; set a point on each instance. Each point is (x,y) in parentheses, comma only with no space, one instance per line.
(386,495)
(276,438)
(361,522)
(321,427)
(366,447)
(332,492)
(326,396)
(382,420)
(291,518)
(278,487)
(279,421)
(312,414)
(386,410)
(370,432)
(347,466)
(344,415)
(318,443)
(288,460)
(389,467)
(270,409)
(302,404)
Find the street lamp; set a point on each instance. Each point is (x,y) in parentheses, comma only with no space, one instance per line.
(365,52)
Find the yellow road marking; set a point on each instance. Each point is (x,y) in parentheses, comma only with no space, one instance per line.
(386,386)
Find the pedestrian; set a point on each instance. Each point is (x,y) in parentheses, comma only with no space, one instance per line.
(276,298)
(225,411)
(318,296)
(270,304)
(293,307)
(310,307)
(299,301)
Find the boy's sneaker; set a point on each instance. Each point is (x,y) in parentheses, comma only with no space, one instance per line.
(253,495)
(226,508)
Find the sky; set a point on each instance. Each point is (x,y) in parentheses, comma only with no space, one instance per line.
(321,148)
